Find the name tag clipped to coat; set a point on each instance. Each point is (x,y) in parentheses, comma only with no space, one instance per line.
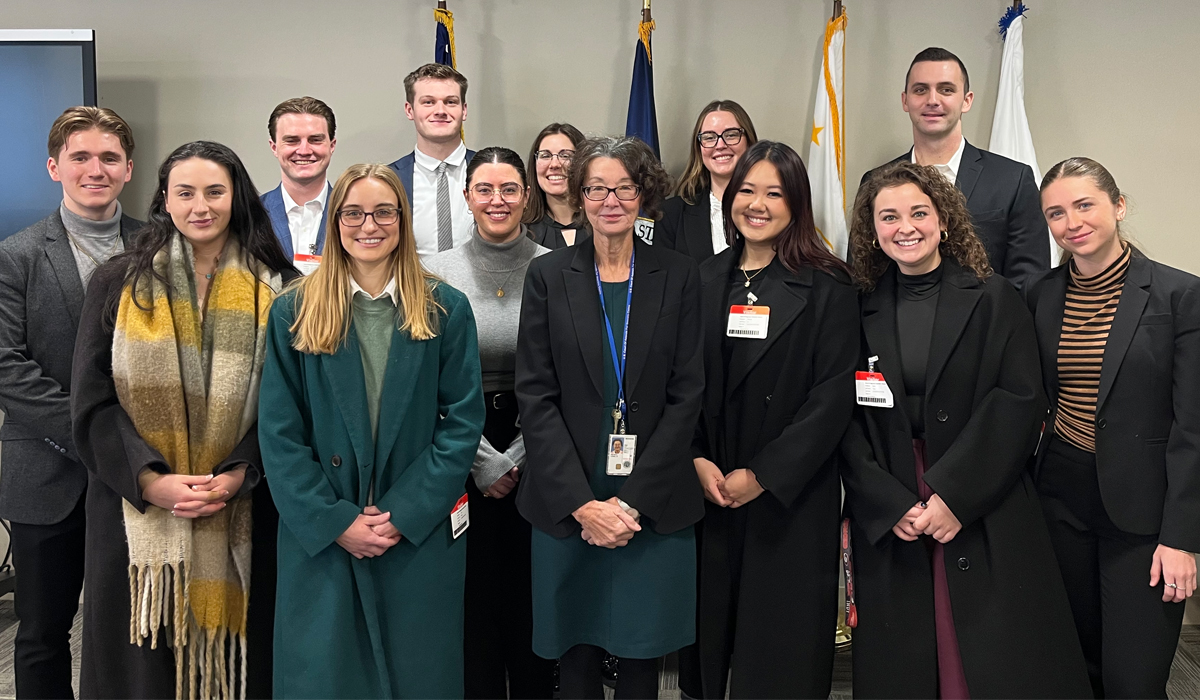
(870,388)
(306,264)
(621,452)
(460,517)
(747,321)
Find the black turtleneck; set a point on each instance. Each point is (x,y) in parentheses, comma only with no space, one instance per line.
(916,308)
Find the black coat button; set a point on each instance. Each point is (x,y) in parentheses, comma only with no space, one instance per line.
(336,461)
(1101,423)
(963,563)
(633,406)
(942,416)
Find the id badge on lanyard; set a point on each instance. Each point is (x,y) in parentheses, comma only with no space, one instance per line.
(621,447)
(870,388)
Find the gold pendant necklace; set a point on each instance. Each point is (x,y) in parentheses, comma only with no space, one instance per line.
(750,277)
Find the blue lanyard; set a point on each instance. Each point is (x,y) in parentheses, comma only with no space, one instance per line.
(618,367)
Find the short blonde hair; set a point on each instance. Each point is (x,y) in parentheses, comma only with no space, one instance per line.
(76,119)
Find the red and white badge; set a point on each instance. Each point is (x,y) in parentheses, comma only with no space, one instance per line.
(870,388)
(460,517)
(306,264)
(748,321)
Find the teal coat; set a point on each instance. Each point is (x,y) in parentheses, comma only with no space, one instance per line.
(389,626)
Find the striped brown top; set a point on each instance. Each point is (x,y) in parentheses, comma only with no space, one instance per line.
(1087,318)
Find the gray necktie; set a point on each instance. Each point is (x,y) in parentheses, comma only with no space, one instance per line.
(445,227)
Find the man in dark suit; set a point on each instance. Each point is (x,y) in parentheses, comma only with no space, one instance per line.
(44,271)
(1001,193)
(435,173)
(302,133)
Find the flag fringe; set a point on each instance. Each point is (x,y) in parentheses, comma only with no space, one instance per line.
(446,19)
(1010,16)
(644,29)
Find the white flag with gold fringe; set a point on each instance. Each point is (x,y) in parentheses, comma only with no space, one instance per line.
(827,150)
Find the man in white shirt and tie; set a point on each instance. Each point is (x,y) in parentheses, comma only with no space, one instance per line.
(435,173)
(302,138)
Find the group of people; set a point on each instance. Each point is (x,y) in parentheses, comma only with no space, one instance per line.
(448,427)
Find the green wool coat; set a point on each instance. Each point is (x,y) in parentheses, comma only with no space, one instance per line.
(388,626)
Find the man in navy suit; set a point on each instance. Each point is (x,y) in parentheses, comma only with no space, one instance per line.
(435,173)
(302,138)
(1001,194)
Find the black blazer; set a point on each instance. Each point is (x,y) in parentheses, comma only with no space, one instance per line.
(686,228)
(1148,407)
(41,296)
(548,233)
(559,386)
(1006,210)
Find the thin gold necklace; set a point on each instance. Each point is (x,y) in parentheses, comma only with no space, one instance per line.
(108,254)
(750,277)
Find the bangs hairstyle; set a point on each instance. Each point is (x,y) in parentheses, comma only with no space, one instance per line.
(536,208)
(695,179)
(76,119)
(323,308)
(961,242)
(638,160)
(798,245)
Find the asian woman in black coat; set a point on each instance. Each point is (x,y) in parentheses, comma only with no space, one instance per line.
(1120,475)
(777,400)
(957,589)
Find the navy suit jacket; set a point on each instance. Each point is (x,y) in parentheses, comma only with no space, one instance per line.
(404,168)
(273,201)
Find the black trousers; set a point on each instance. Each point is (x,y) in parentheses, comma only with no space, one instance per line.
(49,565)
(1128,633)
(498,633)
(580,676)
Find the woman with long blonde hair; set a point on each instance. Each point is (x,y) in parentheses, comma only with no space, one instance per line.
(371,566)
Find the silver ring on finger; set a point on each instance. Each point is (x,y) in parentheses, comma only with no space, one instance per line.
(1172,585)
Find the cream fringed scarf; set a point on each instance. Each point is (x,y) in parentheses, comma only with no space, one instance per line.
(191,389)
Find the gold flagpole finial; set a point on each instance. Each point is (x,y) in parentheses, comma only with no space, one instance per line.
(646,10)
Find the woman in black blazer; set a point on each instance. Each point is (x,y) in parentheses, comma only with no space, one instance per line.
(1119,472)
(553,221)
(957,590)
(691,220)
(777,400)
(613,551)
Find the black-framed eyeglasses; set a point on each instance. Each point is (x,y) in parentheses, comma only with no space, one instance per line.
(509,194)
(562,156)
(356,217)
(731,137)
(599,193)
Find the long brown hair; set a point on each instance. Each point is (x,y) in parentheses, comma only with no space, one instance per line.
(799,244)
(961,242)
(323,301)
(535,207)
(695,180)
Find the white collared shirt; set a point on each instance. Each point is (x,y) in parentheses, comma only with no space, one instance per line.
(424,200)
(304,220)
(716,219)
(949,170)
(389,290)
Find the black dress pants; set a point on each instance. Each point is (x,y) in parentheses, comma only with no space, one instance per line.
(1128,633)
(49,565)
(580,671)
(498,634)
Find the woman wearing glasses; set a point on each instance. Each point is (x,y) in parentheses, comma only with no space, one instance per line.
(692,221)
(609,349)
(490,269)
(371,562)
(553,221)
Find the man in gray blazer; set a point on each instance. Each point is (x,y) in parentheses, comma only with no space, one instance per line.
(44,271)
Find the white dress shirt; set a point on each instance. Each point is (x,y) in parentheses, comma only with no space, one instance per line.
(389,290)
(949,170)
(304,220)
(424,200)
(717,219)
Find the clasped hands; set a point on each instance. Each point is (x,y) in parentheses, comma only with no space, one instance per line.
(606,524)
(189,496)
(732,490)
(932,517)
(370,535)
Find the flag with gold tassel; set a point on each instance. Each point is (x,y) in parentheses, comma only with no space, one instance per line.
(827,149)
(443,43)
(642,121)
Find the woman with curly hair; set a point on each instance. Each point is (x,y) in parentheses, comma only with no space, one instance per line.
(958,592)
(609,380)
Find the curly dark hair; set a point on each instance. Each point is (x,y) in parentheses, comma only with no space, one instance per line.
(640,162)
(869,262)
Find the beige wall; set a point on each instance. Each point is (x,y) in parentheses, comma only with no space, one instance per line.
(1105,78)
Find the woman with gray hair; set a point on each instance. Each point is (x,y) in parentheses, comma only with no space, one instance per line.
(608,354)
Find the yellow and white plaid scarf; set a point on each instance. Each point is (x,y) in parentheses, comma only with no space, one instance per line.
(191,388)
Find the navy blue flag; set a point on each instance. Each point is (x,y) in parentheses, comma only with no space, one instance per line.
(443,43)
(642,121)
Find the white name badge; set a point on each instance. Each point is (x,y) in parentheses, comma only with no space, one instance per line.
(748,322)
(306,264)
(871,389)
(460,517)
(622,449)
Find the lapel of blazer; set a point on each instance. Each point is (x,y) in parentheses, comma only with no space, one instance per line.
(129,226)
(1048,320)
(273,201)
(959,295)
(879,327)
(789,297)
(1134,296)
(344,372)
(324,221)
(62,261)
(714,295)
(404,170)
(580,283)
(404,357)
(697,228)
(649,281)
(969,169)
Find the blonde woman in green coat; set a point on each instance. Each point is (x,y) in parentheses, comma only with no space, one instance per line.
(371,562)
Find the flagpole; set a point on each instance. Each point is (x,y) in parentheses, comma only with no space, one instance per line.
(646,11)
(441,4)
(837,8)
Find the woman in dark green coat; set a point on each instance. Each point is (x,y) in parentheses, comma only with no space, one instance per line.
(371,566)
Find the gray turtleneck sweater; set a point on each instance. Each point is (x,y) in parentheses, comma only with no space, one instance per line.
(92,242)
(479,269)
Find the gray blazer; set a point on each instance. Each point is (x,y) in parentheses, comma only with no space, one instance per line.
(41,294)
